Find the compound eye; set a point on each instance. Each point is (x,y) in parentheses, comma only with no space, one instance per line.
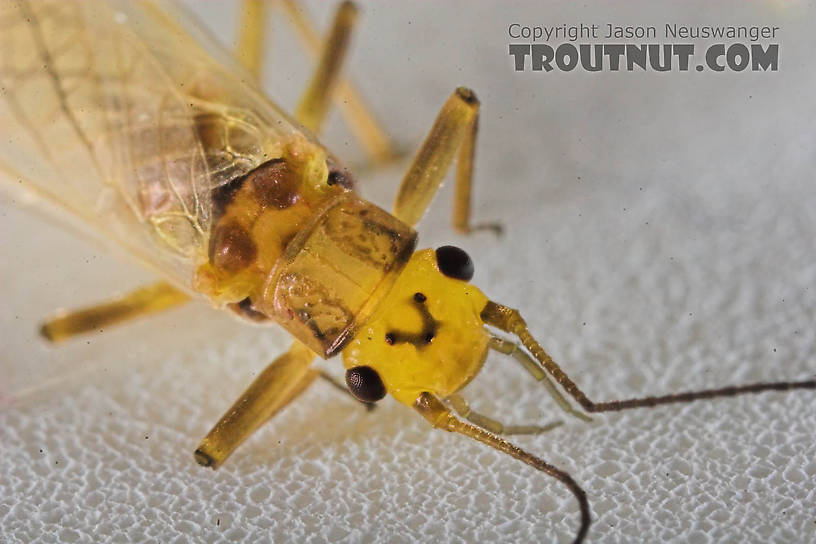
(454,263)
(339,175)
(336,177)
(365,384)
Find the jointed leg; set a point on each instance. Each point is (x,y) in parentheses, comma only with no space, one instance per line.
(251,36)
(250,50)
(462,197)
(147,300)
(280,383)
(509,320)
(314,105)
(346,96)
(440,417)
(461,407)
(512,349)
(453,130)
(434,158)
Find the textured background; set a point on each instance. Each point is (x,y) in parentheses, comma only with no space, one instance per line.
(659,237)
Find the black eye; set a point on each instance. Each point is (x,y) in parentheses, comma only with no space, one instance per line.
(341,178)
(365,384)
(334,177)
(454,263)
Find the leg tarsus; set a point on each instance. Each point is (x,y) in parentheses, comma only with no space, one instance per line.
(463,409)
(432,409)
(512,349)
(496,228)
(462,198)
(516,430)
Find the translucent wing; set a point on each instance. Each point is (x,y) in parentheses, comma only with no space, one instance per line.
(128,115)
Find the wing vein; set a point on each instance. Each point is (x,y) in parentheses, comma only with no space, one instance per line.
(48,66)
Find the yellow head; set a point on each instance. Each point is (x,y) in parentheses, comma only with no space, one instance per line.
(426,336)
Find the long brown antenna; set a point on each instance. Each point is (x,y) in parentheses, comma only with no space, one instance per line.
(510,320)
(440,417)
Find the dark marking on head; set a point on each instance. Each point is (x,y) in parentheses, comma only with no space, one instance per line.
(275,184)
(454,263)
(430,326)
(231,248)
(365,383)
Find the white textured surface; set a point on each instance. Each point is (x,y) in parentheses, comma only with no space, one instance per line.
(660,237)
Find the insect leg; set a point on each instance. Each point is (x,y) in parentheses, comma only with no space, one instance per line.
(453,130)
(279,383)
(510,320)
(146,300)
(440,417)
(251,36)
(314,104)
(461,407)
(512,349)
(347,97)
(462,201)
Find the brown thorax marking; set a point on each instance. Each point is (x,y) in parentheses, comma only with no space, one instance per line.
(272,184)
(232,248)
(275,185)
(430,326)
(327,285)
(254,217)
(240,235)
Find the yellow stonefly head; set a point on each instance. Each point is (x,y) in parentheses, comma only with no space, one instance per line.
(426,336)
